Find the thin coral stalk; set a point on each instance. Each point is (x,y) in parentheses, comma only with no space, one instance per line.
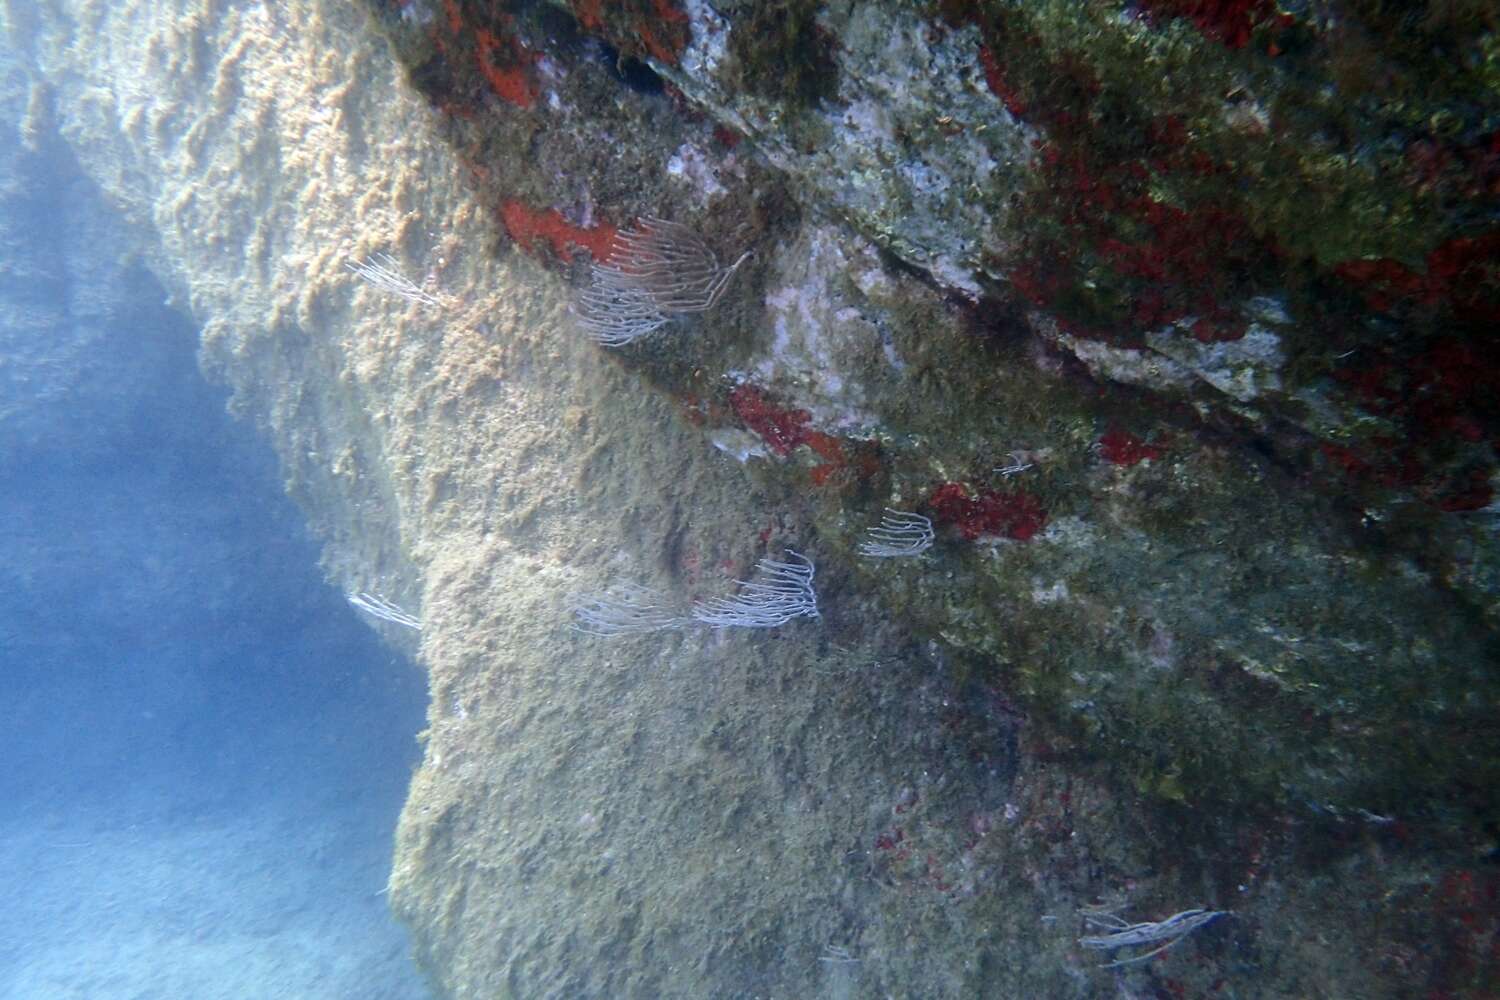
(1166,933)
(382,271)
(378,607)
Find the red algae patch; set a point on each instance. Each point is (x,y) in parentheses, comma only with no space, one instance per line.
(1015,515)
(1123,448)
(531,228)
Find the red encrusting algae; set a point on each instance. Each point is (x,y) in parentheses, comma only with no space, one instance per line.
(656,28)
(781,429)
(668,35)
(1123,448)
(994,77)
(1148,263)
(503,59)
(504,62)
(455,16)
(527,226)
(1017,515)
(1462,276)
(1444,401)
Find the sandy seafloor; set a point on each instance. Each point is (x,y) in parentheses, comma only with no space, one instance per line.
(206,749)
(147,897)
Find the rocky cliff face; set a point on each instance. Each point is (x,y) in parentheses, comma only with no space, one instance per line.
(1175,320)
(1171,316)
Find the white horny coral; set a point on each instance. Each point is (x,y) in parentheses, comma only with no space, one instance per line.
(651,273)
(382,271)
(625,609)
(1162,933)
(378,607)
(899,534)
(779,592)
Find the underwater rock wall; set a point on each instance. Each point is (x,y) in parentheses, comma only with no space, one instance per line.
(1154,309)
(1172,646)
(1175,318)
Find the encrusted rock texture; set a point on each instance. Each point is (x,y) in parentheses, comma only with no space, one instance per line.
(1177,319)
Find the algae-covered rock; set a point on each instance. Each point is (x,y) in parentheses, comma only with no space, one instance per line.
(1175,319)
(974,201)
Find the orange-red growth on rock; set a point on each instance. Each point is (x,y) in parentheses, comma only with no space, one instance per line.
(504,62)
(1017,515)
(529,227)
(1462,274)
(1229,22)
(1123,448)
(994,77)
(781,429)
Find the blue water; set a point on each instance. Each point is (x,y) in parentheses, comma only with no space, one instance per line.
(204,749)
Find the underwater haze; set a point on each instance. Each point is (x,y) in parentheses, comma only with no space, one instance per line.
(205,750)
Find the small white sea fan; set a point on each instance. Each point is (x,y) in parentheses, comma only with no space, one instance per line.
(779,592)
(378,607)
(651,273)
(625,609)
(900,534)
(381,271)
(614,314)
(1162,933)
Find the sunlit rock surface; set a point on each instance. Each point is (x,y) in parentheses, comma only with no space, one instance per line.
(1177,327)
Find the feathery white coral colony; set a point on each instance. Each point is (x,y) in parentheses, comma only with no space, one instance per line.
(1162,933)
(653,272)
(378,607)
(900,534)
(382,272)
(780,591)
(625,609)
